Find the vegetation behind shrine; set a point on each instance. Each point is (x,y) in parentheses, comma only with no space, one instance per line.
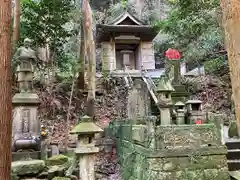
(193,27)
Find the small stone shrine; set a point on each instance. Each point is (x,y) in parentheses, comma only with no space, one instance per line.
(26,133)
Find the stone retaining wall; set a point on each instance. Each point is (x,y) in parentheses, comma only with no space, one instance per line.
(187,152)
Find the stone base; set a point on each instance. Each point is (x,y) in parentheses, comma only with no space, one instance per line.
(17,156)
(178,152)
(25,98)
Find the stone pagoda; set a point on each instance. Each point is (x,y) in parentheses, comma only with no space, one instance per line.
(26,135)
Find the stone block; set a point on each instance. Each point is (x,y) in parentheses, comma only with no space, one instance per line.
(190,163)
(187,136)
(57,160)
(139,133)
(61,178)
(27,167)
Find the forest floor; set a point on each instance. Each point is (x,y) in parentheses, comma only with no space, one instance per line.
(213,91)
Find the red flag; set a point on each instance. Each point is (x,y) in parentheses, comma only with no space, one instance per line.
(172,54)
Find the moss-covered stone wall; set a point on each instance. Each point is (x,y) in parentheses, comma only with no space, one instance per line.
(187,152)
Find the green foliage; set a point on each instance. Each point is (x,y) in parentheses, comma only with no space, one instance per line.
(193,27)
(124,3)
(215,65)
(49,22)
(43,20)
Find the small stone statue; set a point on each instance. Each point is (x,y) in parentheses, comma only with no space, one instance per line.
(25,57)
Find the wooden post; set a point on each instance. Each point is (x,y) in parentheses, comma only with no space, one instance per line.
(91,56)
(231,23)
(16,24)
(5,90)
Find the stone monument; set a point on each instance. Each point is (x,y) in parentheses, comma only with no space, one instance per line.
(26,135)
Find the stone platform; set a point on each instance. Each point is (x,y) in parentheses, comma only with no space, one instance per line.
(184,152)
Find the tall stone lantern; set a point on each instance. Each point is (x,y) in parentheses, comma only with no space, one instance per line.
(26,135)
(86,150)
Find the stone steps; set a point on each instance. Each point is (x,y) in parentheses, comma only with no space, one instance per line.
(233,154)
(234,165)
(233,144)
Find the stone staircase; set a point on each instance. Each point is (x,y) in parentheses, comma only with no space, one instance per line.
(233,155)
(151,87)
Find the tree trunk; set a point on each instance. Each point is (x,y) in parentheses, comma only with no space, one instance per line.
(81,58)
(231,23)
(16,24)
(91,56)
(5,91)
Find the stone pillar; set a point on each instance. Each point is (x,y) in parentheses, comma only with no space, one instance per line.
(86,163)
(165,115)
(86,149)
(180,116)
(151,125)
(177,72)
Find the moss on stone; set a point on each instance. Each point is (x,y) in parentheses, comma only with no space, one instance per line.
(232,131)
(57,160)
(27,167)
(61,178)
(86,128)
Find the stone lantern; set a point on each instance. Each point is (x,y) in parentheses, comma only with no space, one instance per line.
(164,90)
(194,111)
(86,150)
(180,113)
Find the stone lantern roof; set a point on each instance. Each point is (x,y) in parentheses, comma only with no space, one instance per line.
(86,127)
(164,86)
(179,103)
(194,102)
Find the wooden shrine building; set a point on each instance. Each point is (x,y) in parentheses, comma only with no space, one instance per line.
(126,45)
